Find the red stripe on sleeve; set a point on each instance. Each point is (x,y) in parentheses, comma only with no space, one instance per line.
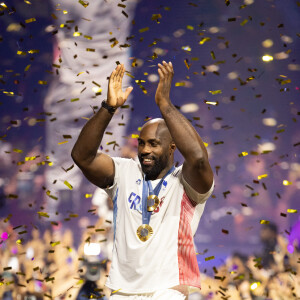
(189,273)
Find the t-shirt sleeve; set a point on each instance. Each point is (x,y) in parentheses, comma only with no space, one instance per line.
(119,163)
(192,193)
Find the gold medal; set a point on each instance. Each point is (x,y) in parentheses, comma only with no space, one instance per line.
(144,232)
(152,202)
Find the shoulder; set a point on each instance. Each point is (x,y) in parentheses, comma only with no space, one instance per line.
(126,165)
(192,193)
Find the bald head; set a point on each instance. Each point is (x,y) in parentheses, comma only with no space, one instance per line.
(160,128)
(156,148)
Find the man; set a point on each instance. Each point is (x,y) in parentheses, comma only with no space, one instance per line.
(157,207)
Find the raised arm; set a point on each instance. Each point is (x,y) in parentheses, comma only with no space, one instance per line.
(196,168)
(99,167)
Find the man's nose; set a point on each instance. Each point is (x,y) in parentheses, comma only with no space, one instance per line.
(146,149)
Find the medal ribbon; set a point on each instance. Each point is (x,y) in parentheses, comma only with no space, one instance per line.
(147,189)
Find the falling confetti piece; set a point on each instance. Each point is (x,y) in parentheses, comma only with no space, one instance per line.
(143,29)
(53,244)
(264,222)
(180,84)
(18,150)
(204,39)
(254,285)
(83,3)
(209,258)
(43,214)
(267,58)
(216,92)
(286,182)
(244,22)
(68,185)
(211,102)
(30,20)
(243,154)
(292,211)
(262,176)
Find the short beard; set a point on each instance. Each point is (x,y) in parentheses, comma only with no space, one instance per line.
(159,164)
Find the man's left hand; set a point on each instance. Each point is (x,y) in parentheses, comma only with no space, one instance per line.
(166,73)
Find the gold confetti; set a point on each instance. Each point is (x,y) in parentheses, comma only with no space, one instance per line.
(211,102)
(286,182)
(30,20)
(243,154)
(77,33)
(254,285)
(204,39)
(33,51)
(68,185)
(21,53)
(262,176)
(209,258)
(53,244)
(83,3)
(212,53)
(143,29)
(180,84)
(88,195)
(61,143)
(43,214)
(186,48)
(115,291)
(80,281)
(264,222)
(90,50)
(189,27)
(216,92)
(42,82)
(134,136)
(244,22)
(27,68)
(267,58)
(292,211)
(18,150)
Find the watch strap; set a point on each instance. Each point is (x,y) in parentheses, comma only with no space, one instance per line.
(110,109)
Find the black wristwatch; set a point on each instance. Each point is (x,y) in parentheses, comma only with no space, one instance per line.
(110,109)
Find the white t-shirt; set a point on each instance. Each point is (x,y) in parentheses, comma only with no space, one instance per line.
(168,257)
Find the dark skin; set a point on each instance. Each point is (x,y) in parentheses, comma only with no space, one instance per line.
(157,142)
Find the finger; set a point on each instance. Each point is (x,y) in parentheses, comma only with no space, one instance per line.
(167,66)
(128,91)
(163,69)
(122,71)
(112,75)
(161,74)
(119,67)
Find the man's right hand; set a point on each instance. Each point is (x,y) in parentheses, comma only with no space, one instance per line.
(115,96)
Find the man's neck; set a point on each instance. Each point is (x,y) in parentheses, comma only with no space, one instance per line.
(165,171)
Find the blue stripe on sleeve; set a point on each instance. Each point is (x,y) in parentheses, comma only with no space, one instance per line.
(115,211)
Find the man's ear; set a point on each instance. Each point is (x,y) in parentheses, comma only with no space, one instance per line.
(172,146)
